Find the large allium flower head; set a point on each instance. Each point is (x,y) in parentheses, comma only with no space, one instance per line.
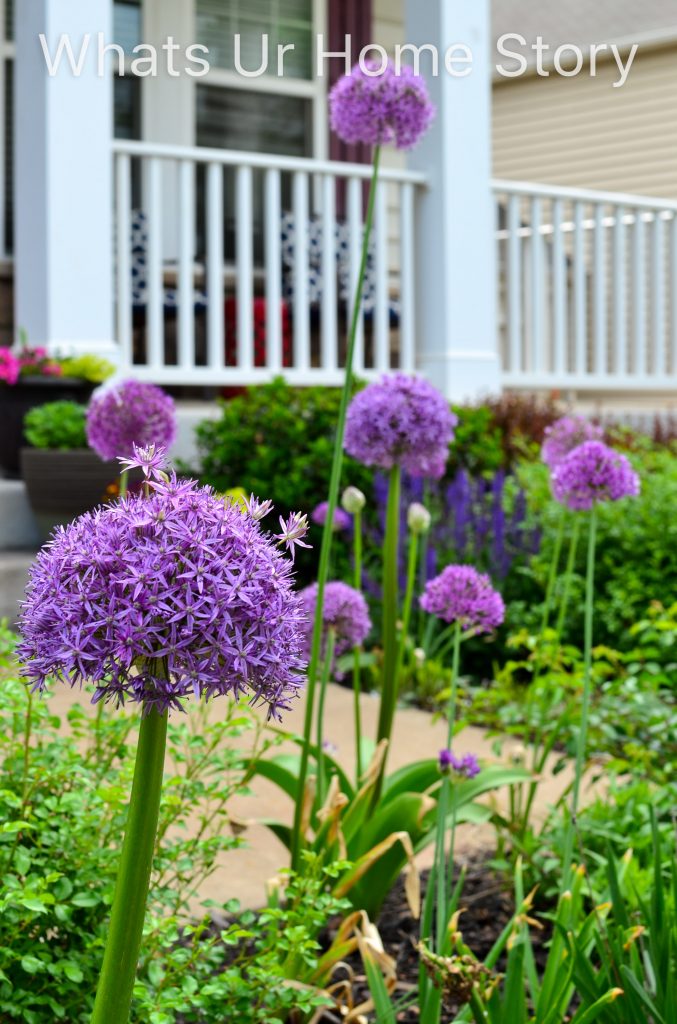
(342,521)
(160,597)
(591,473)
(403,421)
(343,609)
(379,107)
(127,414)
(566,434)
(461,594)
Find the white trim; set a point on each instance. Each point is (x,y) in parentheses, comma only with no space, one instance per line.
(304,88)
(585,195)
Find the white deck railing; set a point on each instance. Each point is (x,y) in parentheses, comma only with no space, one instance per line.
(588,289)
(200,262)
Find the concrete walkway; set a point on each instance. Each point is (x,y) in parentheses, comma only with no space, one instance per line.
(242,874)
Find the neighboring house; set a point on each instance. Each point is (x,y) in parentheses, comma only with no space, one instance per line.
(208,233)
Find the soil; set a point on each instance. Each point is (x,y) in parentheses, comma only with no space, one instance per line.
(487,907)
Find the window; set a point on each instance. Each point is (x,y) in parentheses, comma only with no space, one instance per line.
(236,119)
(282,21)
(266,114)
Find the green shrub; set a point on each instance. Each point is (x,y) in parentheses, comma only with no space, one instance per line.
(635,562)
(94,369)
(64,789)
(56,425)
(277,442)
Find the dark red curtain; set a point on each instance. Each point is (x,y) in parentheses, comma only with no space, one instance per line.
(347,18)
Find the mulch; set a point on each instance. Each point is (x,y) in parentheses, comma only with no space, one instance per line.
(487,905)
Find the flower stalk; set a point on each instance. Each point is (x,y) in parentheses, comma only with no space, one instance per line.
(581,746)
(116,982)
(328,530)
(390,608)
(357,688)
(326,672)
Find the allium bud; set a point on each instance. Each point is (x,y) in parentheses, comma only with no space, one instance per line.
(418,518)
(353,500)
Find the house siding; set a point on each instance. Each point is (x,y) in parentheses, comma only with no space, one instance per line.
(582,132)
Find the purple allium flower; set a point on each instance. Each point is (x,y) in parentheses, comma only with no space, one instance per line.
(461,594)
(593,472)
(127,414)
(342,521)
(160,597)
(402,421)
(344,610)
(565,435)
(467,766)
(381,107)
(257,509)
(150,459)
(293,531)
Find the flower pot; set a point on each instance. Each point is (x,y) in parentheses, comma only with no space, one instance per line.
(63,484)
(17,399)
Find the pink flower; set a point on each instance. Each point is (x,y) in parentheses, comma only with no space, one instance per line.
(10,367)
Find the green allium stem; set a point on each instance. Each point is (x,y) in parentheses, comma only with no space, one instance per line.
(408,599)
(326,672)
(124,482)
(357,689)
(327,533)
(554,569)
(581,746)
(568,574)
(390,603)
(455,664)
(118,973)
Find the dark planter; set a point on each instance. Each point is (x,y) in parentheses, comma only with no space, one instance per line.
(63,485)
(16,400)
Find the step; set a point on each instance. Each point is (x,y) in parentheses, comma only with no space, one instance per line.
(14,567)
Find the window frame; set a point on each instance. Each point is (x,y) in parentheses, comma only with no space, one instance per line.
(7,55)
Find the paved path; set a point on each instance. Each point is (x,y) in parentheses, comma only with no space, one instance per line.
(242,874)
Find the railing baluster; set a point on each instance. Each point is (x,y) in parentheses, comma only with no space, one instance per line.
(329,340)
(620,367)
(301,306)
(273,213)
(381,314)
(155,317)
(514,286)
(537,289)
(639,294)
(215,290)
(600,279)
(658,296)
(407,361)
(559,290)
(124,262)
(244,267)
(186,317)
(580,298)
(355,250)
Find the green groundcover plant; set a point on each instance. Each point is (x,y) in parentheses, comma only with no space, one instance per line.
(64,787)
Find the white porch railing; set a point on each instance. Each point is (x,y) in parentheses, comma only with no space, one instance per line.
(588,289)
(201,230)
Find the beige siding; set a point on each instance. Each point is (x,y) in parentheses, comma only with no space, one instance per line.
(584,133)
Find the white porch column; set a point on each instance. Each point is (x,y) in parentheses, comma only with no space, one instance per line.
(457,332)
(64,201)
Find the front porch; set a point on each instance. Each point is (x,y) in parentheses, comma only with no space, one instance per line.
(198,266)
